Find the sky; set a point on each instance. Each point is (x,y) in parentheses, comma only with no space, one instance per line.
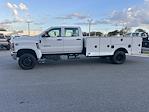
(106,15)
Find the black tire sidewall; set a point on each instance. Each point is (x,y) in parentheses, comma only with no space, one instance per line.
(118,53)
(8,47)
(33,59)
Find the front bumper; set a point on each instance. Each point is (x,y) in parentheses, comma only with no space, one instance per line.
(14,55)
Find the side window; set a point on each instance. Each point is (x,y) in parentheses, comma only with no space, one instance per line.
(54,33)
(71,32)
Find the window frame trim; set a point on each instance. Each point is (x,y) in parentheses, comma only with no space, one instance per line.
(64,31)
(60,29)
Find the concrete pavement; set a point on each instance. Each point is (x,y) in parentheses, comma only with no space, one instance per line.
(86,85)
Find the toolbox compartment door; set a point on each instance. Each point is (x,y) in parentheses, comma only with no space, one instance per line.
(92,46)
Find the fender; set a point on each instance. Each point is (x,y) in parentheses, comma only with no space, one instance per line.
(36,53)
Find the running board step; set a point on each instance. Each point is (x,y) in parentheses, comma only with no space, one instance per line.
(73,56)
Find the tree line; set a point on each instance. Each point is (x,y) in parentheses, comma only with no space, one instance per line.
(121,32)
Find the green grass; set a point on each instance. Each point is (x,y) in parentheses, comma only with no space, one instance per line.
(147,52)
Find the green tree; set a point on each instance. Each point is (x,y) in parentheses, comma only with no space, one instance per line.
(140,30)
(85,34)
(99,34)
(113,33)
(2,29)
(124,31)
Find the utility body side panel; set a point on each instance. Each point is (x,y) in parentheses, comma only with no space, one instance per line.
(92,46)
(136,46)
(106,46)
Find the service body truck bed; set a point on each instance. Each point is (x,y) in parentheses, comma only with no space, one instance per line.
(57,41)
(106,46)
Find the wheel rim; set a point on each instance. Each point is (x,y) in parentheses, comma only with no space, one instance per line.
(27,62)
(120,58)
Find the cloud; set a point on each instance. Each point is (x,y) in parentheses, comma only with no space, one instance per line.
(17,9)
(6,23)
(95,22)
(22,6)
(13,8)
(132,17)
(73,16)
(19,13)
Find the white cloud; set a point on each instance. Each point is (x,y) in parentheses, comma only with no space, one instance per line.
(6,23)
(10,5)
(19,12)
(132,17)
(95,22)
(13,8)
(73,16)
(16,10)
(22,6)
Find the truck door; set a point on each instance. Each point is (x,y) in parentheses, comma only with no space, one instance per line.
(73,43)
(52,42)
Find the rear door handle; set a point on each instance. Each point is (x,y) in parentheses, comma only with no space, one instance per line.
(78,39)
(59,39)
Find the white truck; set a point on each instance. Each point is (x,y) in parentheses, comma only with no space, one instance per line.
(4,42)
(57,41)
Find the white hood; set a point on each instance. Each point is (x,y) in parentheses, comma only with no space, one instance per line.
(24,39)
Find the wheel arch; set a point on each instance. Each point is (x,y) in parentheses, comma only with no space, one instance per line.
(29,51)
(121,49)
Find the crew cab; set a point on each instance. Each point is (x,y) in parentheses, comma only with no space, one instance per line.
(4,42)
(57,41)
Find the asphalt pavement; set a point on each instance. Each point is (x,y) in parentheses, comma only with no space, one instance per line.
(85,85)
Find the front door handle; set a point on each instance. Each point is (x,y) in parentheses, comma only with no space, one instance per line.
(59,39)
(78,39)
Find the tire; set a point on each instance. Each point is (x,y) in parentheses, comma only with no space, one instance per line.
(27,61)
(119,57)
(8,47)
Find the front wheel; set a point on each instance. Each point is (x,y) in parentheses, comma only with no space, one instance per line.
(119,57)
(27,61)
